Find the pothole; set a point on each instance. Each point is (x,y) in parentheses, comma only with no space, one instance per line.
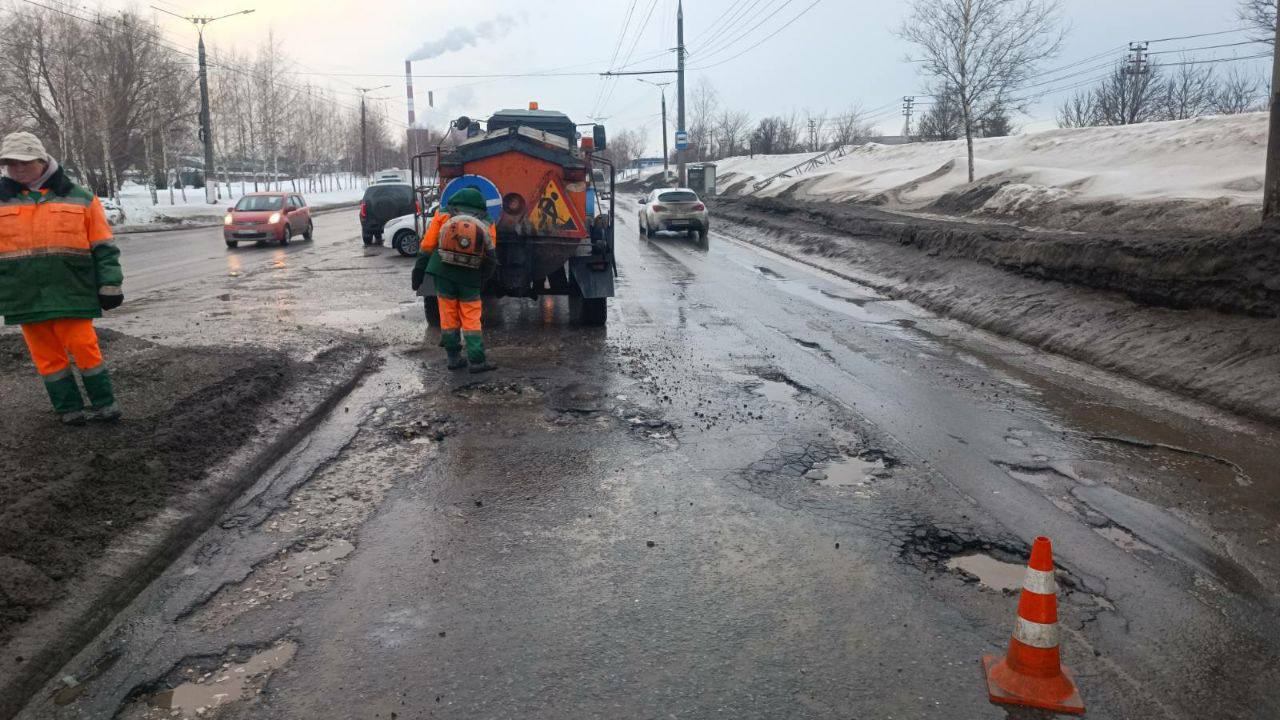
(200,686)
(1122,538)
(771,384)
(486,392)
(852,471)
(989,572)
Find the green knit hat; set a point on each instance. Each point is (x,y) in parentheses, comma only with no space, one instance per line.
(469,199)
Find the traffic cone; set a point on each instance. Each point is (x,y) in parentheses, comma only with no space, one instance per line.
(1032,673)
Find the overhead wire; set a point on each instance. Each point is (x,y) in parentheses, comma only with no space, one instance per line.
(764,39)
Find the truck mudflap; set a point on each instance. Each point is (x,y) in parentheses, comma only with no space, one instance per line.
(593,274)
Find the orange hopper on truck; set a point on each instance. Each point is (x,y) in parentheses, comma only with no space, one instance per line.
(551,196)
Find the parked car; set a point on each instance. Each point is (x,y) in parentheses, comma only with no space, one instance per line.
(382,203)
(406,232)
(267,216)
(674,210)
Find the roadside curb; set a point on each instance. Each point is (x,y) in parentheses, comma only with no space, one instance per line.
(146,230)
(1231,371)
(131,562)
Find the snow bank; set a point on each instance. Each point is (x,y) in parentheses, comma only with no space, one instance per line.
(138,210)
(1201,174)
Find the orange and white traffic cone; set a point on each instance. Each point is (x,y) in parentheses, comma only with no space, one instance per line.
(1032,673)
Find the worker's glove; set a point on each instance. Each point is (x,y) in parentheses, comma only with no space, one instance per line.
(419,274)
(110,297)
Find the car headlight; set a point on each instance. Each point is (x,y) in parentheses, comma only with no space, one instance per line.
(275,218)
(226,220)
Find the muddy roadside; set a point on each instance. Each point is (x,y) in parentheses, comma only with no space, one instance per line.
(89,515)
(1194,315)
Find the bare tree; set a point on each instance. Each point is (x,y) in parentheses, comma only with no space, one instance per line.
(984,49)
(850,127)
(731,130)
(790,134)
(1128,98)
(703,107)
(1190,91)
(1238,93)
(1080,110)
(1260,15)
(764,139)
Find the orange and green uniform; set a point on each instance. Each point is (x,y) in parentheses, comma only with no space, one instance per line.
(457,292)
(57,262)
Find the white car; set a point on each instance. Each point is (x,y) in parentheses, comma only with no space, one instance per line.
(674,210)
(405,234)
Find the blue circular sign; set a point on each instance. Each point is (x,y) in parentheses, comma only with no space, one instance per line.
(492,198)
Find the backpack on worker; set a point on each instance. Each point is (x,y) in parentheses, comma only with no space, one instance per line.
(464,240)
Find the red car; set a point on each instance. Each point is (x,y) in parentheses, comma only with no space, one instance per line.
(267,216)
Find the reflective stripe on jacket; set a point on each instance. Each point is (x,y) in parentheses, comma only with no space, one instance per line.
(56,252)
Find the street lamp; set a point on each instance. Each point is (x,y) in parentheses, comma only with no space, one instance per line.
(663,87)
(206,125)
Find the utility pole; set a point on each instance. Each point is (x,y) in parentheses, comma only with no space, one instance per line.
(908,107)
(1138,68)
(681,129)
(1271,187)
(666,164)
(364,127)
(206,124)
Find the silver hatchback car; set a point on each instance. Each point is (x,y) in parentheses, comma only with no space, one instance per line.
(674,210)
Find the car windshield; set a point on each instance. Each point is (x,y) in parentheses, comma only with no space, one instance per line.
(395,193)
(259,203)
(678,196)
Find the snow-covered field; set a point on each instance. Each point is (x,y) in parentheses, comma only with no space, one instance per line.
(138,209)
(1201,174)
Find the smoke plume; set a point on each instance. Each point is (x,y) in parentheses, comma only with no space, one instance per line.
(464,37)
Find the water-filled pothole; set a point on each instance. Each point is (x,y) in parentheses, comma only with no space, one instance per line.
(211,687)
(990,572)
(846,471)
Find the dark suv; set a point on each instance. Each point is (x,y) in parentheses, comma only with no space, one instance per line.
(383,202)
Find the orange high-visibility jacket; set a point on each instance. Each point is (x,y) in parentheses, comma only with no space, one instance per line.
(429,259)
(56,253)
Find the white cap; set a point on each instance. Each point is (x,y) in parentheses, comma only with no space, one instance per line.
(22,146)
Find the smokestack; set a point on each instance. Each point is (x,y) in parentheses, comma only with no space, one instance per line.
(408,87)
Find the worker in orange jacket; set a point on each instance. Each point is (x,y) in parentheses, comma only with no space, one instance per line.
(456,247)
(59,270)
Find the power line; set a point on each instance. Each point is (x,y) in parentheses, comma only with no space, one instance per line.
(764,39)
(1201,35)
(1209,47)
(740,15)
(643,26)
(724,46)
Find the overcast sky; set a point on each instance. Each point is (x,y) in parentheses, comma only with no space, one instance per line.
(835,54)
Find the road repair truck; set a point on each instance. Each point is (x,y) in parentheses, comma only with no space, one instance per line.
(551,196)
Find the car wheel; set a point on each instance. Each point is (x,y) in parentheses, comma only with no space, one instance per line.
(403,243)
(309,235)
(431,308)
(232,244)
(286,236)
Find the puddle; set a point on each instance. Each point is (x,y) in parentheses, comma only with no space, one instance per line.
(771,386)
(227,684)
(845,472)
(991,573)
(769,273)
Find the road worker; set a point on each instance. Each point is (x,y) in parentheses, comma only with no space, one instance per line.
(457,248)
(58,271)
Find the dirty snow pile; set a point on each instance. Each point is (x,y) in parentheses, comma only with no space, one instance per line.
(1204,174)
(135,200)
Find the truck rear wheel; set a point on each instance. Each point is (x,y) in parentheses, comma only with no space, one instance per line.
(431,308)
(589,312)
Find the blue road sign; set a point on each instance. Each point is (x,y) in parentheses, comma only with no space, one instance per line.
(682,140)
(492,198)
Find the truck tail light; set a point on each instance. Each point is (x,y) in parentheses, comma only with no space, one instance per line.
(417,207)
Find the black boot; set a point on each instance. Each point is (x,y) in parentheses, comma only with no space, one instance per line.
(456,361)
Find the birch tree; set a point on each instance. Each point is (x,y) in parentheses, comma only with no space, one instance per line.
(983,49)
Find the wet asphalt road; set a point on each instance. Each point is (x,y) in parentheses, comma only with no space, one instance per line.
(634,522)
